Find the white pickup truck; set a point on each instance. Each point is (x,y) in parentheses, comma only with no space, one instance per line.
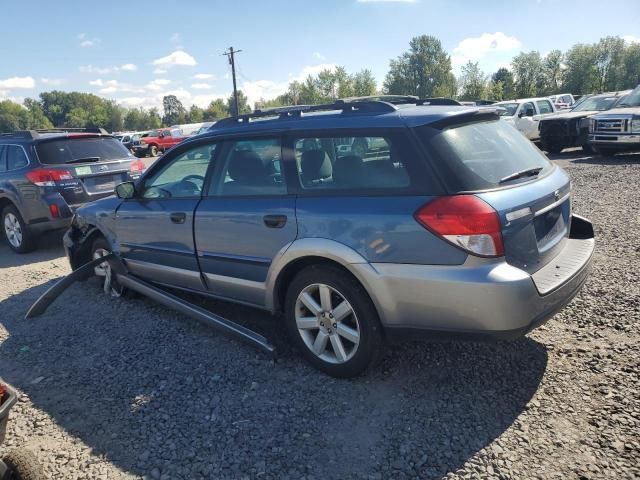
(618,129)
(525,113)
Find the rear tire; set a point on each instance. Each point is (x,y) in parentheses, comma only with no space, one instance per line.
(551,147)
(16,232)
(333,322)
(586,148)
(23,465)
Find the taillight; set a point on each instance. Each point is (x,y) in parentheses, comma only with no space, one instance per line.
(55,211)
(465,221)
(47,177)
(137,166)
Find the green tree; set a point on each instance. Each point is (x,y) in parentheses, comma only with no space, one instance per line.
(196,114)
(174,111)
(37,118)
(495,91)
(216,110)
(631,62)
(243,104)
(153,119)
(609,63)
(581,75)
(420,71)
(527,73)
(13,116)
(309,93)
(505,77)
(551,73)
(472,82)
(364,84)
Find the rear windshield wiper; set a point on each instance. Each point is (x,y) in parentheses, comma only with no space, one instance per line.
(529,172)
(84,160)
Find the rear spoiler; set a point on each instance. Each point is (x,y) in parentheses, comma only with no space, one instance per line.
(485,114)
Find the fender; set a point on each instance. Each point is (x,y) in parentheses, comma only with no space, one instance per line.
(338,252)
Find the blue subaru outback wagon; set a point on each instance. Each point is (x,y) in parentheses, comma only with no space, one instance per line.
(358,221)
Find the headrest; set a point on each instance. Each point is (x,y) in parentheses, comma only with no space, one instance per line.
(246,167)
(349,171)
(315,165)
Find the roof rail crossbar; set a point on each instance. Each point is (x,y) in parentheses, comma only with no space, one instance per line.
(346,107)
(35,133)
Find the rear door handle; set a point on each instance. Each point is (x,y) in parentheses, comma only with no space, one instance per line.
(275,221)
(178,217)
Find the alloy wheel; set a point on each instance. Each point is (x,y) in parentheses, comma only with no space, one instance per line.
(327,323)
(13,229)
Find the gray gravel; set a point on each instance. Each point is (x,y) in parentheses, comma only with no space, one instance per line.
(125,389)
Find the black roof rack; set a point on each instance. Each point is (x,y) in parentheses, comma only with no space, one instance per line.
(36,133)
(404,100)
(365,106)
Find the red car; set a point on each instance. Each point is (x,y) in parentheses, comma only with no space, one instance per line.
(158,141)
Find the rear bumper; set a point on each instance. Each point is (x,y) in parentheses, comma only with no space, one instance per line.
(479,298)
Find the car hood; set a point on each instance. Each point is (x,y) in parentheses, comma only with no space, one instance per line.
(569,115)
(623,110)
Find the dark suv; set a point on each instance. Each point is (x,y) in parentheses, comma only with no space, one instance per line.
(46,174)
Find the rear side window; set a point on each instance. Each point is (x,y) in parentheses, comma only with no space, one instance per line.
(16,157)
(3,160)
(544,106)
(349,163)
(78,150)
(477,156)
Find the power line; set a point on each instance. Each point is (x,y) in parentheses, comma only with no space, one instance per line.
(230,56)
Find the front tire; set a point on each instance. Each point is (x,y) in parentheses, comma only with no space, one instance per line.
(333,322)
(153,150)
(605,152)
(16,232)
(110,286)
(586,148)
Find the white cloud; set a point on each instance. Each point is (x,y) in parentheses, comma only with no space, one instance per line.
(319,56)
(203,76)
(87,43)
(268,89)
(17,82)
(160,71)
(631,39)
(98,70)
(179,57)
(129,67)
(54,82)
(97,83)
(488,48)
(201,86)
(157,84)
(175,38)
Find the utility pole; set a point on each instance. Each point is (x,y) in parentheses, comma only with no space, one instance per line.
(230,55)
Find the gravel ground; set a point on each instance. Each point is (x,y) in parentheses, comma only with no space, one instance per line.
(125,389)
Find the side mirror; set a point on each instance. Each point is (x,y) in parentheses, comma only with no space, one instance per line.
(521,114)
(161,135)
(126,190)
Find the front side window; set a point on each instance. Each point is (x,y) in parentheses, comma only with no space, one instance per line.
(528,110)
(544,106)
(507,109)
(250,168)
(182,177)
(3,160)
(349,163)
(482,155)
(16,157)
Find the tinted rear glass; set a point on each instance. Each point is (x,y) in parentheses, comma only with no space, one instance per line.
(74,149)
(477,156)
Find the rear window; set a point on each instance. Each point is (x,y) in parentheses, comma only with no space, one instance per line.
(71,150)
(477,156)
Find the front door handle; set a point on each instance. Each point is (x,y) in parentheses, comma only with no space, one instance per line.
(275,221)
(178,217)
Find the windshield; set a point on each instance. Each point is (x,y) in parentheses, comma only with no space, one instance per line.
(596,103)
(477,156)
(509,109)
(68,150)
(632,100)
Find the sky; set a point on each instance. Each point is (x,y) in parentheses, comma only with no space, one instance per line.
(138,51)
